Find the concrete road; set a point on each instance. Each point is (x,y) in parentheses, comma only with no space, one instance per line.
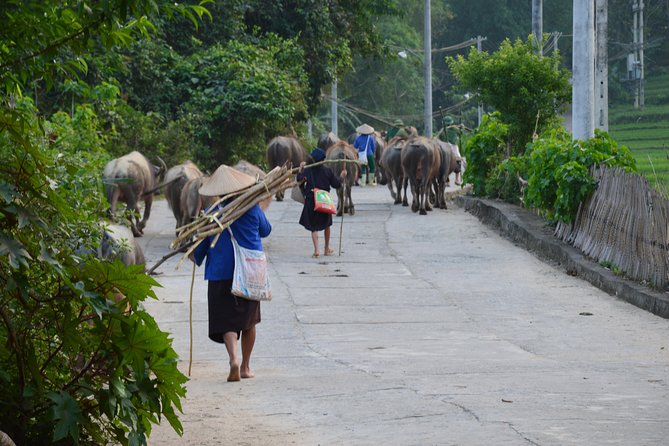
(427,330)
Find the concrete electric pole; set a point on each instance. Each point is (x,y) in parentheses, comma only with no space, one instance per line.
(583,70)
(537,25)
(427,65)
(639,94)
(602,66)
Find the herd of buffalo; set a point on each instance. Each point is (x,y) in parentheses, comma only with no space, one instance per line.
(423,164)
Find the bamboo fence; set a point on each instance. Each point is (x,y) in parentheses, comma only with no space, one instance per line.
(624,222)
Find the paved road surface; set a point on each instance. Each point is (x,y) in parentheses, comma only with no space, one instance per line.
(428,330)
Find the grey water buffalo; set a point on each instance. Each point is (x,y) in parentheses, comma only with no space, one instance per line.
(450,163)
(284,150)
(175,180)
(130,179)
(250,169)
(391,167)
(326,140)
(118,242)
(344,151)
(191,201)
(421,159)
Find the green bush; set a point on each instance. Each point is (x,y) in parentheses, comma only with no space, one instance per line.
(558,170)
(76,367)
(503,180)
(484,151)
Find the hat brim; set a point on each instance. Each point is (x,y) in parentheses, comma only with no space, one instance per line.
(365,129)
(225,181)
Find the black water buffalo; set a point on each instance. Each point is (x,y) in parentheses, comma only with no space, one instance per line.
(129,179)
(340,151)
(421,160)
(175,180)
(391,168)
(284,150)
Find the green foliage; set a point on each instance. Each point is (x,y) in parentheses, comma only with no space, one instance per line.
(329,33)
(484,151)
(154,136)
(503,180)
(529,91)
(242,94)
(558,170)
(77,367)
(80,361)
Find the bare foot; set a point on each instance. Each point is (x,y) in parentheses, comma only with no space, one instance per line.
(315,255)
(234,373)
(247,374)
(329,252)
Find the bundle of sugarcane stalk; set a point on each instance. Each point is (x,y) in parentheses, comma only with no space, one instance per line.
(217,218)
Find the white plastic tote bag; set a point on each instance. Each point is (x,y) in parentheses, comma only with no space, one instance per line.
(250,278)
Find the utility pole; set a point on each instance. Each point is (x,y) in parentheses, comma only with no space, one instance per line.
(427,65)
(537,25)
(637,15)
(479,41)
(583,70)
(602,66)
(334,107)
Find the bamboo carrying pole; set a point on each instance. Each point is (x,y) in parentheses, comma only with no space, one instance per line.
(190,320)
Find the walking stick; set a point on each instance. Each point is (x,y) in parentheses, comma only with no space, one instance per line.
(190,320)
(343,211)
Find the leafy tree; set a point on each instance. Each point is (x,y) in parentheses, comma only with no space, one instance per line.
(527,90)
(80,361)
(388,87)
(241,95)
(329,33)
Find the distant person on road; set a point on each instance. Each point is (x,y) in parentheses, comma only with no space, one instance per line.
(397,130)
(231,317)
(366,147)
(321,177)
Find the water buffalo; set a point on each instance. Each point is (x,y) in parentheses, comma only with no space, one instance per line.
(326,140)
(191,201)
(129,179)
(118,242)
(343,150)
(175,180)
(250,169)
(450,163)
(284,150)
(391,167)
(421,159)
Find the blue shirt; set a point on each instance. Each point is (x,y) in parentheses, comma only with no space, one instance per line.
(362,141)
(248,230)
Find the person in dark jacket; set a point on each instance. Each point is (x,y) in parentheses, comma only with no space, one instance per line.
(320,177)
(231,317)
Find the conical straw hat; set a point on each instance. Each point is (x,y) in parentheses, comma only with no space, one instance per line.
(226,180)
(365,129)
